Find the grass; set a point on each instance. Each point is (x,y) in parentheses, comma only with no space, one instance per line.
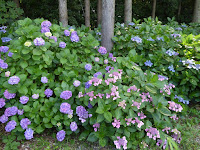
(189,125)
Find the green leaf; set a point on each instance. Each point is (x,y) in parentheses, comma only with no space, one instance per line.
(23,90)
(39,129)
(23,64)
(35,104)
(118,113)
(108,116)
(26,108)
(151,89)
(100,118)
(84,135)
(165,111)
(37,52)
(92,137)
(102,142)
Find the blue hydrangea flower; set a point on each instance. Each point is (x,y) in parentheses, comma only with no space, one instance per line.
(171,68)
(66,95)
(46,24)
(48,92)
(44,79)
(14,80)
(160,38)
(23,99)
(73,126)
(150,39)
(62,44)
(28,133)
(179,29)
(88,67)
(67,33)
(39,41)
(74,37)
(6,39)
(87,85)
(137,39)
(10,126)
(102,50)
(10,54)
(45,29)
(24,123)
(3,119)
(148,63)
(97,74)
(4,49)
(60,135)
(131,24)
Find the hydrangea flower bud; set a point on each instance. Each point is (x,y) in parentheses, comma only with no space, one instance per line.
(7,73)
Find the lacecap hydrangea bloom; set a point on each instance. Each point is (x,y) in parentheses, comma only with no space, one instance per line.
(74,36)
(48,92)
(44,79)
(121,142)
(4,49)
(73,126)
(102,50)
(28,133)
(66,95)
(2,102)
(8,95)
(76,83)
(60,135)
(24,123)
(10,126)
(14,80)
(39,41)
(11,111)
(62,44)
(23,99)
(88,67)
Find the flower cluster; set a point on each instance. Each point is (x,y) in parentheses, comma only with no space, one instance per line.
(191,64)
(66,108)
(23,99)
(67,33)
(96,126)
(24,123)
(73,126)
(171,68)
(82,113)
(88,67)
(176,136)
(28,133)
(167,88)
(66,95)
(122,104)
(10,126)
(113,77)
(134,88)
(8,95)
(60,135)
(62,44)
(171,53)
(162,78)
(14,80)
(175,107)
(4,49)
(76,83)
(116,123)
(137,39)
(35,96)
(137,104)
(2,102)
(146,97)
(102,50)
(160,142)
(3,65)
(48,92)
(175,35)
(11,111)
(45,26)
(5,39)
(39,41)
(74,36)
(3,29)
(44,79)
(152,133)
(148,63)
(180,99)
(121,142)
(96,81)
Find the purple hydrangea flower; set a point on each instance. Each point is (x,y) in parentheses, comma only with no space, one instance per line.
(67,33)
(23,99)
(97,74)
(131,24)
(6,39)
(150,39)
(11,111)
(179,29)
(39,41)
(89,105)
(66,95)
(65,108)
(76,83)
(106,61)
(60,135)
(35,96)
(4,49)
(2,102)
(88,67)
(102,50)
(20,112)
(44,79)
(171,68)
(14,80)
(73,126)
(45,29)
(54,38)
(62,44)
(87,85)
(74,37)
(3,119)
(28,133)
(148,63)
(10,126)
(3,65)
(24,123)
(96,59)
(48,92)
(160,38)
(46,24)
(10,54)
(82,113)
(137,39)
(8,95)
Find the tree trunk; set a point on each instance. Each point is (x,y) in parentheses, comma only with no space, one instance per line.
(154,9)
(99,12)
(87,13)
(196,16)
(17,3)
(179,9)
(63,12)
(108,19)
(128,11)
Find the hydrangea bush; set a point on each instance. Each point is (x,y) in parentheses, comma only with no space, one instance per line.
(164,49)
(61,78)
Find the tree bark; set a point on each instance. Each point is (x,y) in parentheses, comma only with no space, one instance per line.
(179,9)
(87,13)
(128,11)
(154,9)
(17,3)
(63,16)
(196,16)
(99,12)
(108,19)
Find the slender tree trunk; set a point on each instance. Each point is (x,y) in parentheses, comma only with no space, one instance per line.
(196,16)
(179,9)
(99,12)
(108,19)
(128,11)
(17,3)
(87,13)
(63,12)
(154,9)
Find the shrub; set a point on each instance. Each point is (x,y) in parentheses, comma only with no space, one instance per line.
(62,79)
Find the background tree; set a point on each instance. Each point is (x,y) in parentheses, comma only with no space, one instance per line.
(87,13)
(196,15)
(17,3)
(108,20)
(153,9)
(63,16)
(128,11)
(99,12)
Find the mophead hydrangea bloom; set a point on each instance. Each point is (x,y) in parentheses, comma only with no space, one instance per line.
(45,29)
(66,95)
(39,41)
(62,44)
(97,74)
(3,119)
(102,50)
(24,123)
(35,96)
(88,67)
(14,80)
(48,92)
(60,135)
(44,79)
(10,54)
(46,24)
(27,44)
(28,133)
(67,33)
(11,111)
(65,108)
(6,39)
(23,99)
(20,112)
(8,95)
(74,36)
(54,38)
(2,102)
(7,73)
(73,126)
(10,126)
(76,83)
(4,49)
